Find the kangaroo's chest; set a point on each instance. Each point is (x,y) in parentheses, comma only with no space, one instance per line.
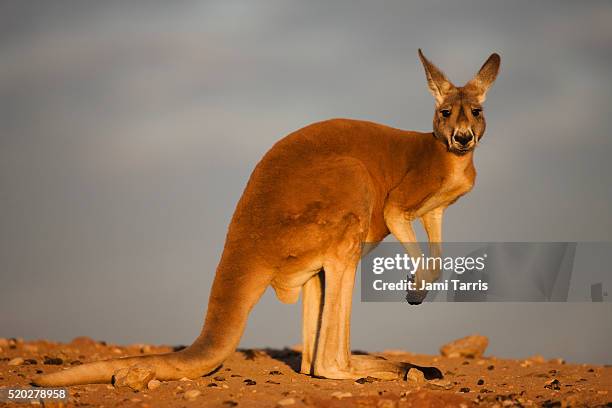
(444,191)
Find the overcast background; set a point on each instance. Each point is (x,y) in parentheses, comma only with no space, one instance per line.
(128,131)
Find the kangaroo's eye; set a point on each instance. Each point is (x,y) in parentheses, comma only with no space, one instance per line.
(445,113)
(476,111)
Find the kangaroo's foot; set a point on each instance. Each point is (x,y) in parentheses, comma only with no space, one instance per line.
(362,366)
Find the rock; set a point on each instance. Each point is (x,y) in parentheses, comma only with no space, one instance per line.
(469,347)
(17,361)
(4,342)
(135,377)
(153,384)
(553,384)
(415,376)
(286,402)
(191,395)
(340,394)
(538,359)
(83,341)
(250,382)
(53,361)
(185,379)
(443,384)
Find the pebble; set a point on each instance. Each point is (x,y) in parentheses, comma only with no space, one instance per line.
(83,341)
(553,385)
(17,361)
(136,377)
(340,394)
(185,379)
(191,395)
(470,347)
(153,384)
(447,385)
(286,402)
(415,376)
(53,361)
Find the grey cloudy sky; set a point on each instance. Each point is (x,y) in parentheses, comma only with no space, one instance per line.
(128,131)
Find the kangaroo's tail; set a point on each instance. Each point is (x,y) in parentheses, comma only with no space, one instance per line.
(233,295)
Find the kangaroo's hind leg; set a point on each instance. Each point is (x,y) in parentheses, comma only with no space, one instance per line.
(332,353)
(312,307)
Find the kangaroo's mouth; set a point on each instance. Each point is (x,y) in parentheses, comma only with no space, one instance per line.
(460,150)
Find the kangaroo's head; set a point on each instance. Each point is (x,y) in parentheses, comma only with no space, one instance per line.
(459,118)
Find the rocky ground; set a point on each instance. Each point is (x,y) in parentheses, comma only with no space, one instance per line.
(268,378)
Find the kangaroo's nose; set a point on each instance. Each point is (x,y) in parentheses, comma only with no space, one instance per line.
(463,138)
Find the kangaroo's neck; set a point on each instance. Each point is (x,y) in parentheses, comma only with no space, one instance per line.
(424,152)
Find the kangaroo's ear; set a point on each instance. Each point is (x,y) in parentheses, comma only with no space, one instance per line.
(439,85)
(483,80)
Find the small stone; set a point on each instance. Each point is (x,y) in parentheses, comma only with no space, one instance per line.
(275,372)
(415,376)
(340,394)
(480,382)
(135,377)
(469,347)
(447,385)
(219,378)
(17,361)
(250,382)
(229,403)
(464,389)
(153,384)
(53,361)
(285,402)
(83,341)
(30,361)
(191,395)
(185,379)
(553,385)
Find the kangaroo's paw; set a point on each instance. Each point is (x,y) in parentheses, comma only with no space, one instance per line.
(377,367)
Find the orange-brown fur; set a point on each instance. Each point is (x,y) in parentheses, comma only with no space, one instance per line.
(310,203)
